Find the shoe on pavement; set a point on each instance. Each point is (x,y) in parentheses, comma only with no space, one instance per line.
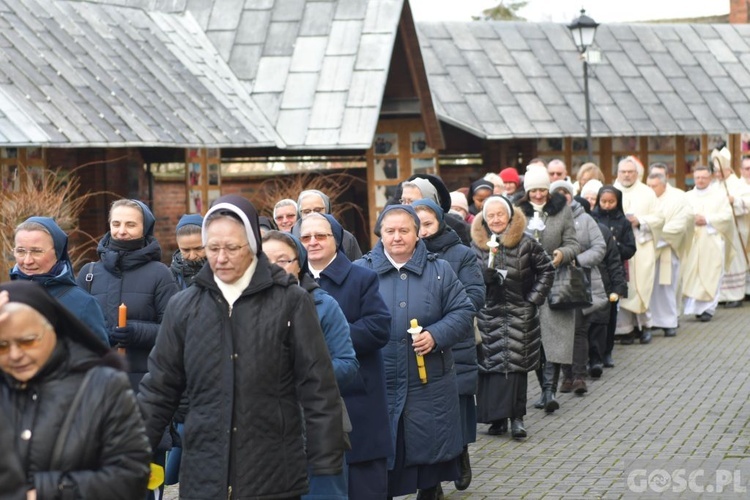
(646,337)
(434,493)
(551,403)
(733,304)
(705,317)
(517,429)
(498,428)
(464,463)
(579,386)
(628,339)
(609,362)
(670,332)
(596,370)
(566,386)
(541,402)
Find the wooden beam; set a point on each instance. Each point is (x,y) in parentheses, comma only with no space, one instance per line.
(408,31)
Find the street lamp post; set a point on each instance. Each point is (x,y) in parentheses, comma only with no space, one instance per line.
(583,29)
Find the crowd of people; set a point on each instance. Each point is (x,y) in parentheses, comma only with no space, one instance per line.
(273,359)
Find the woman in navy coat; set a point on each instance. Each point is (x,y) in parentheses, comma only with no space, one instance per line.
(356,291)
(446,244)
(424,415)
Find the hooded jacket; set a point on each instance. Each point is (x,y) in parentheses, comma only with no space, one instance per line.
(105,453)
(138,279)
(509,320)
(617,223)
(246,375)
(60,282)
(446,244)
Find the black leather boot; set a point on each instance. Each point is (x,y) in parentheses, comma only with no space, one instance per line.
(539,403)
(464,481)
(517,430)
(434,493)
(551,374)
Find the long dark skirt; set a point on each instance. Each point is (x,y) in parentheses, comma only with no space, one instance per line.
(501,396)
(403,480)
(468,418)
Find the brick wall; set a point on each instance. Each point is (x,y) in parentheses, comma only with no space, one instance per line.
(739,12)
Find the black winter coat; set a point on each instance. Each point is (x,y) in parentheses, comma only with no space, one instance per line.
(106,440)
(139,280)
(617,223)
(447,245)
(250,372)
(509,321)
(613,275)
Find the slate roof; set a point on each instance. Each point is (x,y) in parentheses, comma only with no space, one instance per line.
(317,69)
(87,74)
(500,80)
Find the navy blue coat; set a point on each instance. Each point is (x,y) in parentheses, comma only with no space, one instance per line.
(64,288)
(448,246)
(356,291)
(427,289)
(139,280)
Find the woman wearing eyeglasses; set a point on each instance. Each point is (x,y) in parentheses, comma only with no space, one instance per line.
(244,343)
(287,252)
(41,252)
(77,431)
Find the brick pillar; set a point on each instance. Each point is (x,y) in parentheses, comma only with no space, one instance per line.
(739,13)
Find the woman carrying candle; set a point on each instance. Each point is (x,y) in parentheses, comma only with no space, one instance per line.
(415,284)
(518,280)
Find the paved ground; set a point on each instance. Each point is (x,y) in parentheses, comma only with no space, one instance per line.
(672,416)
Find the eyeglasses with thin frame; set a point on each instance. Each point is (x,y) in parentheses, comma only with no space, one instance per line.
(230,250)
(284,262)
(35,253)
(318,237)
(24,343)
(285,216)
(317,210)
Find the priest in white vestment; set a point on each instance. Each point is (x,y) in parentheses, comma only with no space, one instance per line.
(704,265)
(733,284)
(676,236)
(640,206)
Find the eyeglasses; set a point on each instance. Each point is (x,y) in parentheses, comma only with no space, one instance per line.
(35,253)
(24,343)
(318,236)
(317,210)
(283,262)
(285,216)
(230,250)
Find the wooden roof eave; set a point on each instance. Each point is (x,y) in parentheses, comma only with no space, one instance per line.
(418,73)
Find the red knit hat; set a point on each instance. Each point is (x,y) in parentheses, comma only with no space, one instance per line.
(510,175)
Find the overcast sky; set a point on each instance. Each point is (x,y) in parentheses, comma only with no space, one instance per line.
(603,11)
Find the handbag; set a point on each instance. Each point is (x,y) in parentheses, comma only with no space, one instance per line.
(571,288)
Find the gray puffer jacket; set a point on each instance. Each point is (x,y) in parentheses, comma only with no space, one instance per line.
(593,250)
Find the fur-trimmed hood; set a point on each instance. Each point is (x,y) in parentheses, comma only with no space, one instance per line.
(480,234)
(555,205)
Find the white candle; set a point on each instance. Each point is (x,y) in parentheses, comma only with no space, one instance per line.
(493,244)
